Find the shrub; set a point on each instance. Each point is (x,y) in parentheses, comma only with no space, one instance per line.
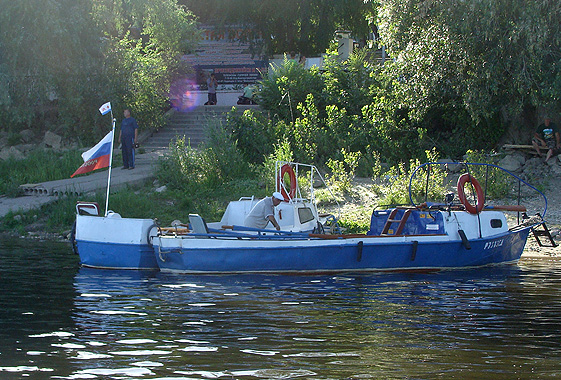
(253,133)
(343,172)
(495,182)
(397,181)
(281,152)
(354,226)
(288,85)
(215,164)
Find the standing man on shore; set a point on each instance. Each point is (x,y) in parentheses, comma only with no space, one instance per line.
(212,83)
(128,138)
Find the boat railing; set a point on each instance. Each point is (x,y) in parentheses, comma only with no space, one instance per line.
(468,166)
(298,168)
(252,198)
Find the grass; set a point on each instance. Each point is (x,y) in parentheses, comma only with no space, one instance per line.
(39,166)
(131,202)
(56,218)
(208,194)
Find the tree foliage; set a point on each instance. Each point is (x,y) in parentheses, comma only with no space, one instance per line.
(472,67)
(461,72)
(460,75)
(304,26)
(61,59)
(43,44)
(347,110)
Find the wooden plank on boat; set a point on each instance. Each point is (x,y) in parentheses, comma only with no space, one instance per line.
(174,230)
(363,236)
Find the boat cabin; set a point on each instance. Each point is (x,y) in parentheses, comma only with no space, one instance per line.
(297,215)
(298,211)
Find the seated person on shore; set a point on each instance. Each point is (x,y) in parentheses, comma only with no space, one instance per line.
(264,212)
(248,91)
(547,136)
(247,97)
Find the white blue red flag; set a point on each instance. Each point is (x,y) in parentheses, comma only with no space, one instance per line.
(105,108)
(97,157)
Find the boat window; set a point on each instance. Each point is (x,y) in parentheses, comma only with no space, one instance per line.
(496,223)
(305,214)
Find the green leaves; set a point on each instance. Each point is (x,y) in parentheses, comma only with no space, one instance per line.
(61,59)
(477,59)
(302,26)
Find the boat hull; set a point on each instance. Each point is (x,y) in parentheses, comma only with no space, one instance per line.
(404,253)
(114,242)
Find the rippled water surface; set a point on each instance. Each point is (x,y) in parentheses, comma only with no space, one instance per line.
(62,322)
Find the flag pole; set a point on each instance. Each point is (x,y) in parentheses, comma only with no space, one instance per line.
(110,163)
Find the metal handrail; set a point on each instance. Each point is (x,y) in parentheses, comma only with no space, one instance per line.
(477,164)
(313,169)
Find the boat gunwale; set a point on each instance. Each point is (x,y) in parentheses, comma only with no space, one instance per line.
(425,238)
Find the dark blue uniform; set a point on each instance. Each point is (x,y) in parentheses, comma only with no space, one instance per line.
(128,127)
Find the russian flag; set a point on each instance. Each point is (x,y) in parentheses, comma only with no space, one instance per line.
(105,108)
(97,157)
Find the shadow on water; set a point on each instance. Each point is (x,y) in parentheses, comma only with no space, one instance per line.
(36,296)
(36,284)
(69,322)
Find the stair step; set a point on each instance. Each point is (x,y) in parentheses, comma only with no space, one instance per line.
(192,125)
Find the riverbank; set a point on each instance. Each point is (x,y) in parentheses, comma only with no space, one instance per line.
(355,208)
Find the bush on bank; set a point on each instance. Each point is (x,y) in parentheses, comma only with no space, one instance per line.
(347,107)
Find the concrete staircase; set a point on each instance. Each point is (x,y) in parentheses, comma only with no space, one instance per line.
(193,125)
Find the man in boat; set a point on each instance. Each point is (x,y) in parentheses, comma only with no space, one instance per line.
(264,212)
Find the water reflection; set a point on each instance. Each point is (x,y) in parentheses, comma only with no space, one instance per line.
(36,292)
(340,326)
(498,323)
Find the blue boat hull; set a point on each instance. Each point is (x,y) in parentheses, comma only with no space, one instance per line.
(116,256)
(114,242)
(356,254)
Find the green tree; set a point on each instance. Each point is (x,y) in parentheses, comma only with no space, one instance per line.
(302,26)
(288,85)
(144,42)
(61,59)
(469,69)
(50,54)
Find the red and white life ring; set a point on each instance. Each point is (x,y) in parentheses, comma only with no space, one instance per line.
(465,178)
(287,169)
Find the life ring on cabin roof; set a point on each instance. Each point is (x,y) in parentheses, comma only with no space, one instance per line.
(465,178)
(287,169)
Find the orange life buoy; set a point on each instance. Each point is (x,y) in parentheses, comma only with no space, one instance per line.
(287,169)
(465,178)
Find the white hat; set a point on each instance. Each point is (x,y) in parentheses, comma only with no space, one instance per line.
(278,195)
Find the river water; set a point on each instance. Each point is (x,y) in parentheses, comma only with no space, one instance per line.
(60,321)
